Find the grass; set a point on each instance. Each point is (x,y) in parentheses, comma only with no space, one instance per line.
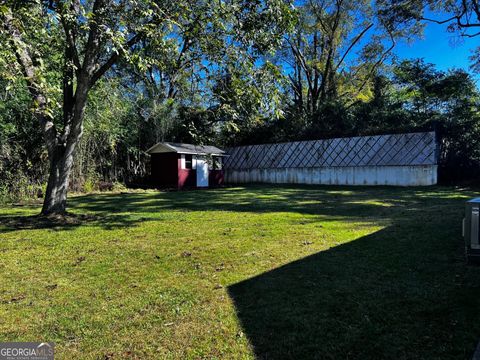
(272,272)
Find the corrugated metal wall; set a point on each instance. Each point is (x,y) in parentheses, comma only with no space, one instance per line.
(400,159)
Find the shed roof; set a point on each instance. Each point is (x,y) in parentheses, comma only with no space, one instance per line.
(179,148)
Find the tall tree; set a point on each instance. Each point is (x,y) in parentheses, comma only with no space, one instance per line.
(95,35)
(177,67)
(216,60)
(334,51)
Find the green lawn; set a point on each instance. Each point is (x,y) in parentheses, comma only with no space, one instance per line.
(275,272)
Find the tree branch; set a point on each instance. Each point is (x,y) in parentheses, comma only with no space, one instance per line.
(112,60)
(70,36)
(355,41)
(374,67)
(30,73)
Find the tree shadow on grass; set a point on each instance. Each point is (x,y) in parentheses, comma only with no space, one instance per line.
(403,292)
(29,222)
(9,223)
(111,211)
(358,202)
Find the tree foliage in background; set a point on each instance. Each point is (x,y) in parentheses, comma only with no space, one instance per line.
(333,51)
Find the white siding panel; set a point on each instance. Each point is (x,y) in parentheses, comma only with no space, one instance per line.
(420,175)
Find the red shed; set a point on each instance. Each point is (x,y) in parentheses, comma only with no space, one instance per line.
(186,165)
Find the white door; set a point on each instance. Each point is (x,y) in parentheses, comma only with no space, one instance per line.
(202,172)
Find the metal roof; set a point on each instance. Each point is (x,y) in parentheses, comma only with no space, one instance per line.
(380,150)
(180,148)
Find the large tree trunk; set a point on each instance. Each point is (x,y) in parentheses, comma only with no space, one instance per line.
(55,200)
(61,158)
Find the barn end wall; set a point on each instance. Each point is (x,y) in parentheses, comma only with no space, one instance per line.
(419,175)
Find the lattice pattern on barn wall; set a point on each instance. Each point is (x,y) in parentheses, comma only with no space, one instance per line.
(381,150)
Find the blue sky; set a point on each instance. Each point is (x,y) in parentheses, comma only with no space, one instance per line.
(439,47)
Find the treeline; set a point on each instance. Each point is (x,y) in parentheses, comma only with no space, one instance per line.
(238,73)
(412,96)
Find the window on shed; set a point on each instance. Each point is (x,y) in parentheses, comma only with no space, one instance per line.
(188,161)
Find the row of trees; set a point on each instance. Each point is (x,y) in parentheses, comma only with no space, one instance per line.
(88,86)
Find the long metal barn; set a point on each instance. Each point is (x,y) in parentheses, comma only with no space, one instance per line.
(399,159)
